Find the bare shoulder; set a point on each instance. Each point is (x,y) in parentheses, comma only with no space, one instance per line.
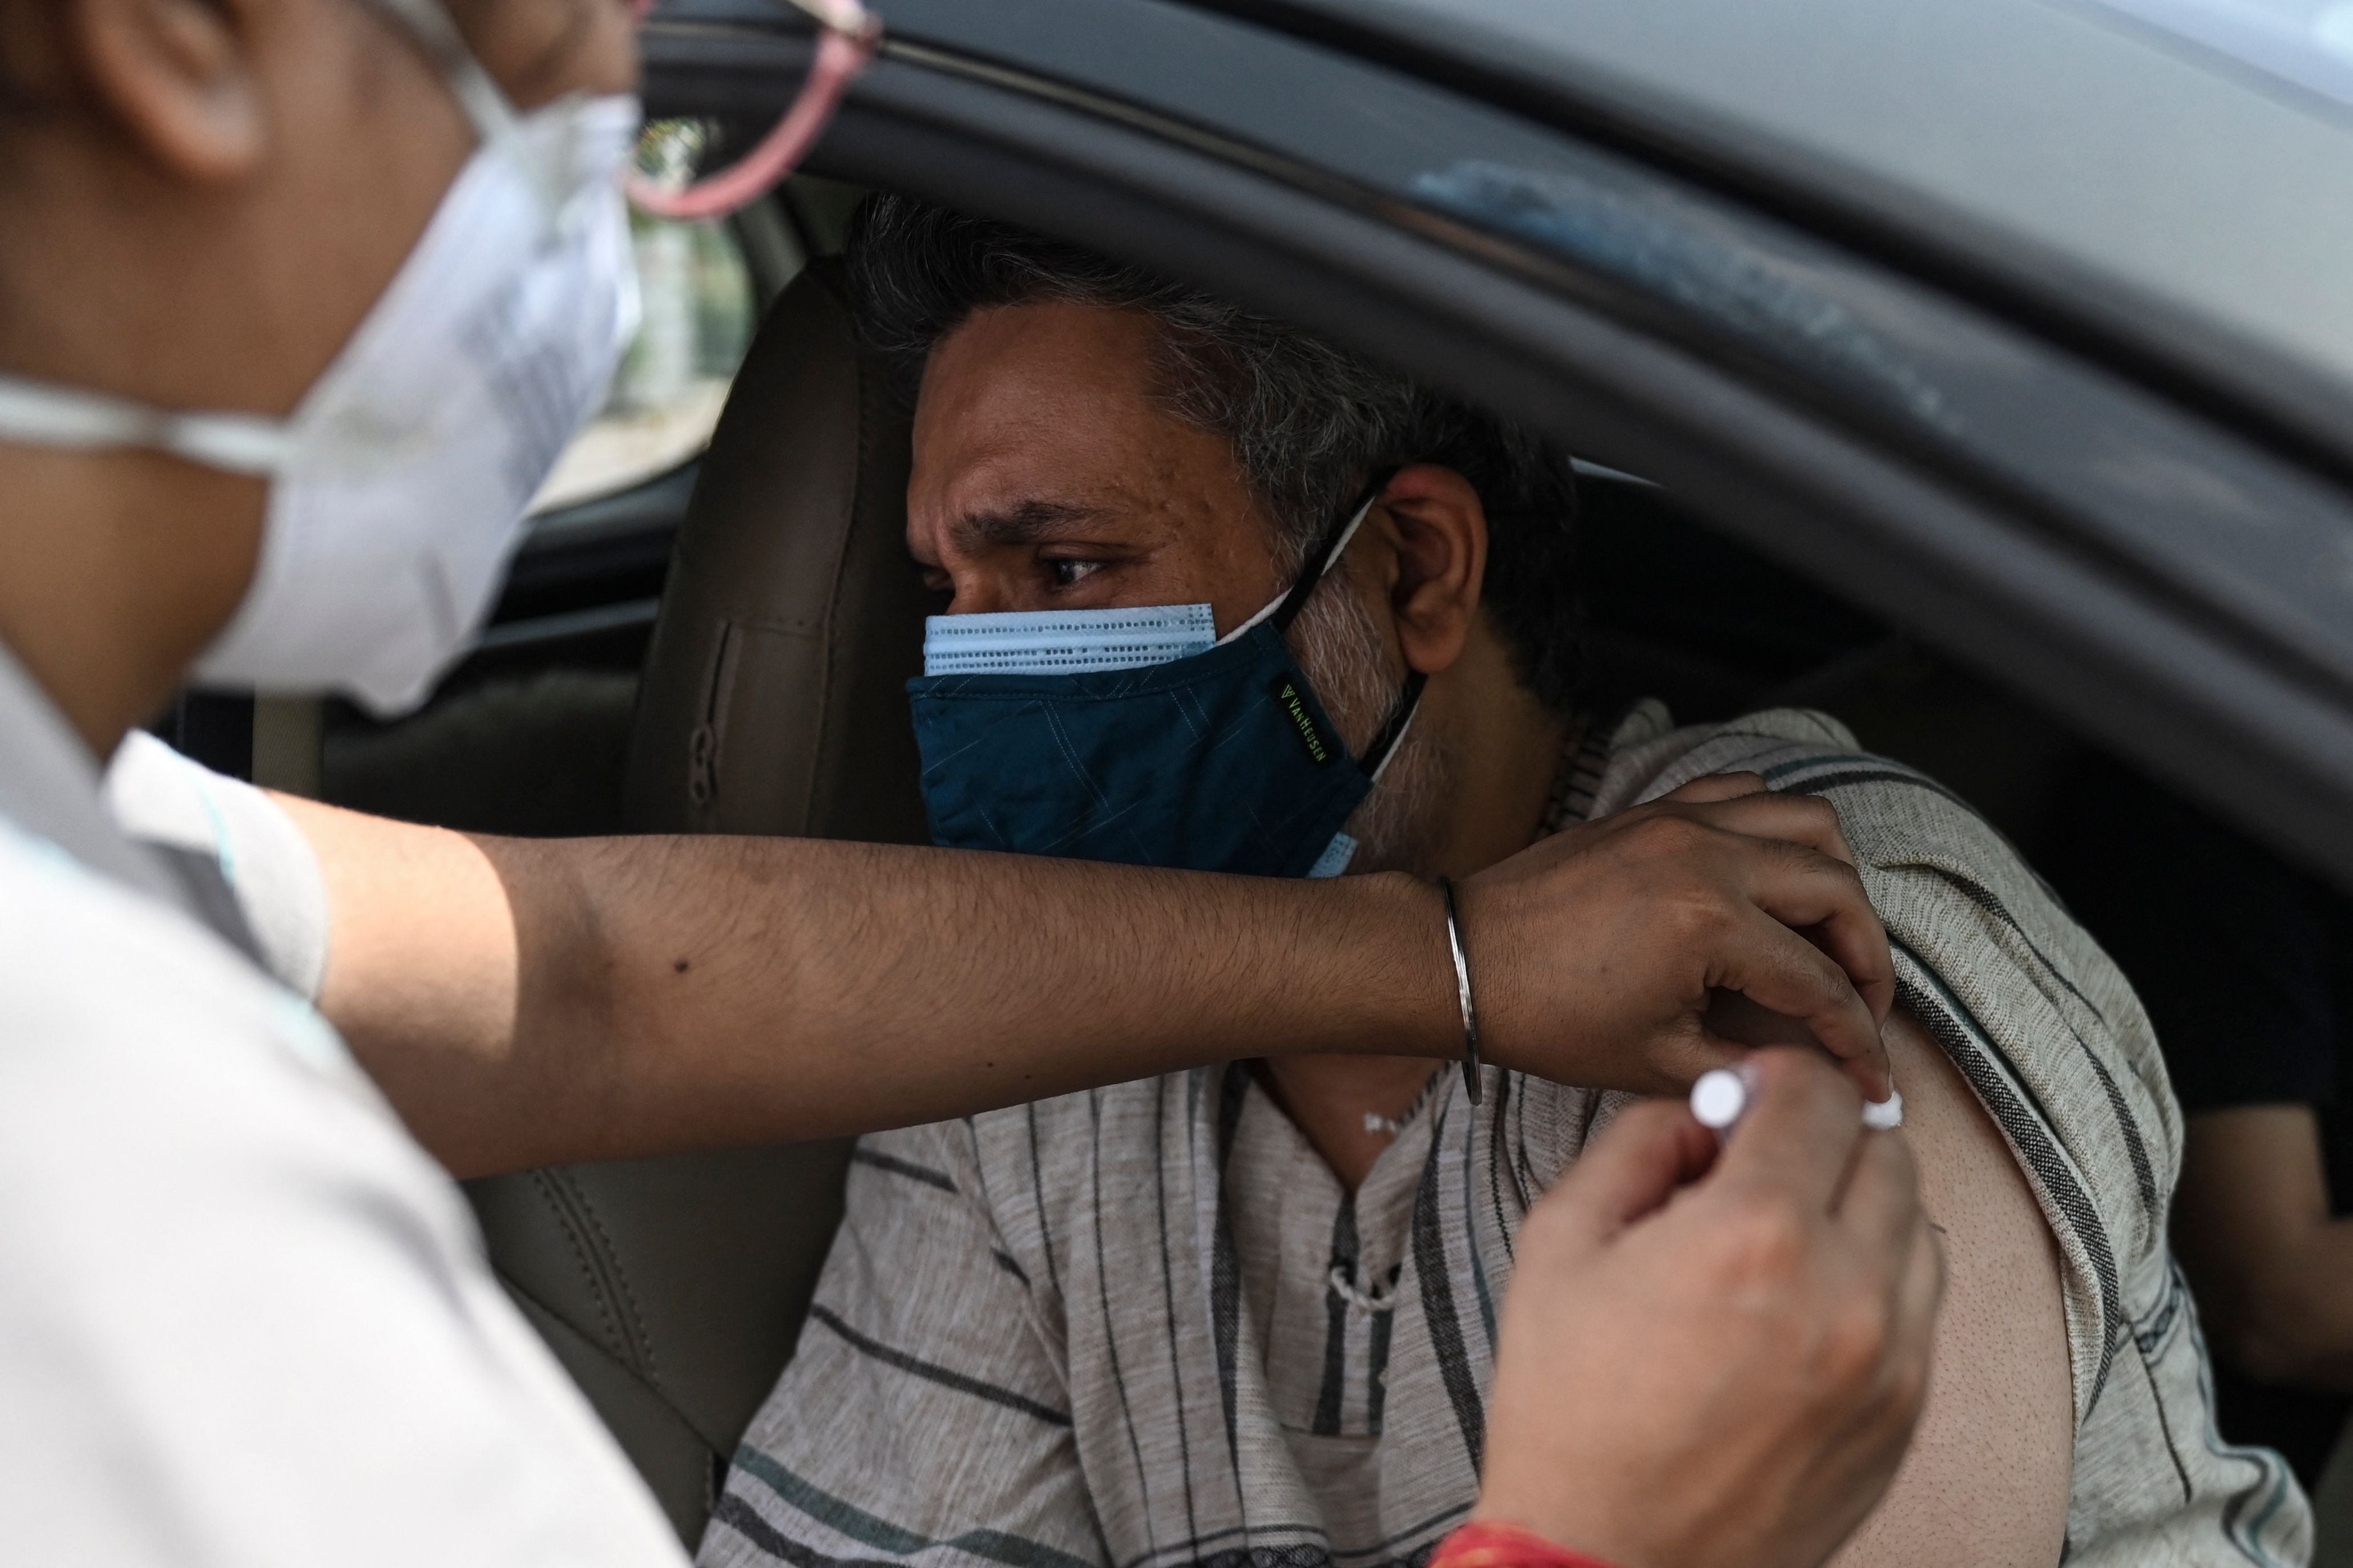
(1986,1480)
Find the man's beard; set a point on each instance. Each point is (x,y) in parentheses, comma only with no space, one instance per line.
(1341,651)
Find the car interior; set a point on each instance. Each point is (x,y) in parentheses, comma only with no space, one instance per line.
(720,646)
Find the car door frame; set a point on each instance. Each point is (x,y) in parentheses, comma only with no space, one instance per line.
(1144,129)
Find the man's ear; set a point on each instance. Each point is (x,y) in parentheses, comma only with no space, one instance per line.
(178,79)
(1441,530)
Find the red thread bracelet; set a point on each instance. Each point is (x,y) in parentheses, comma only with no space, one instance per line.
(1482,1545)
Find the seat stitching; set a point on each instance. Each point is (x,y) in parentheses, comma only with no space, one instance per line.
(546,1185)
(620,1280)
(661,1397)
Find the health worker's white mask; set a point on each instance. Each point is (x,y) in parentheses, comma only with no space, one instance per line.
(398,487)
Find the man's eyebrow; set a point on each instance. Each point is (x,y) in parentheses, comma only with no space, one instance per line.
(1024,522)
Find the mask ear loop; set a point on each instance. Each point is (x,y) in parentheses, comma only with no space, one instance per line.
(493,118)
(92,421)
(1285,610)
(1376,760)
(1287,605)
(848,37)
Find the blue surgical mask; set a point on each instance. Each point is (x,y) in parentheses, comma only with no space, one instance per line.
(1138,736)
(1063,642)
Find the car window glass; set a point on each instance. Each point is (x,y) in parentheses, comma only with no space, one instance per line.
(698,315)
(2306,42)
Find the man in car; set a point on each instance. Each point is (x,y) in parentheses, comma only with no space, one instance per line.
(295,310)
(1244,1315)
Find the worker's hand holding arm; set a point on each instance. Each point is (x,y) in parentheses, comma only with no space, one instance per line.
(532,1001)
(1716,1361)
(1605,954)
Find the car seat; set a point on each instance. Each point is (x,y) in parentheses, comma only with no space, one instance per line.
(773,702)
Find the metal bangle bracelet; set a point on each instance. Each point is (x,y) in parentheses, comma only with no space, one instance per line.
(1463,994)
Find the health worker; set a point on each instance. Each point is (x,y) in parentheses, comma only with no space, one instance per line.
(299,301)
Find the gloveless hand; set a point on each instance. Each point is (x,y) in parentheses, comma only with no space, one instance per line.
(1716,1361)
(1595,955)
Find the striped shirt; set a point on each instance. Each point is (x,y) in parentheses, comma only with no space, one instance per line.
(1146,1327)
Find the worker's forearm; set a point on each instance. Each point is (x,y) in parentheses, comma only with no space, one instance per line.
(525,1001)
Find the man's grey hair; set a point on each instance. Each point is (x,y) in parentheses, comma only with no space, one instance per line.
(1311,424)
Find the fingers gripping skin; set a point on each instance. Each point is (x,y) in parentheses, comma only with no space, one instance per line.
(1634,925)
(1710,1361)
(1805,880)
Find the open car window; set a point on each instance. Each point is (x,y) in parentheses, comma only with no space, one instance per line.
(699,305)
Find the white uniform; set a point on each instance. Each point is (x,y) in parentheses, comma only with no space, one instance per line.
(244,1318)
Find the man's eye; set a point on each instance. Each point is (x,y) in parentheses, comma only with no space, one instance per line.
(1070,574)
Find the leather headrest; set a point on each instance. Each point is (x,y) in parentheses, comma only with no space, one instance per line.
(774,699)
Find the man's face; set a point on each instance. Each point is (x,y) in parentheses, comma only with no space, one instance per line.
(1046,476)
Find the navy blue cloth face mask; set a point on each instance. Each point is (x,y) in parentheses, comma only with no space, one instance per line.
(1138,736)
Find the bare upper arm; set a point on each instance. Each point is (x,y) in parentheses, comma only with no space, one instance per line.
(1986,1480)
